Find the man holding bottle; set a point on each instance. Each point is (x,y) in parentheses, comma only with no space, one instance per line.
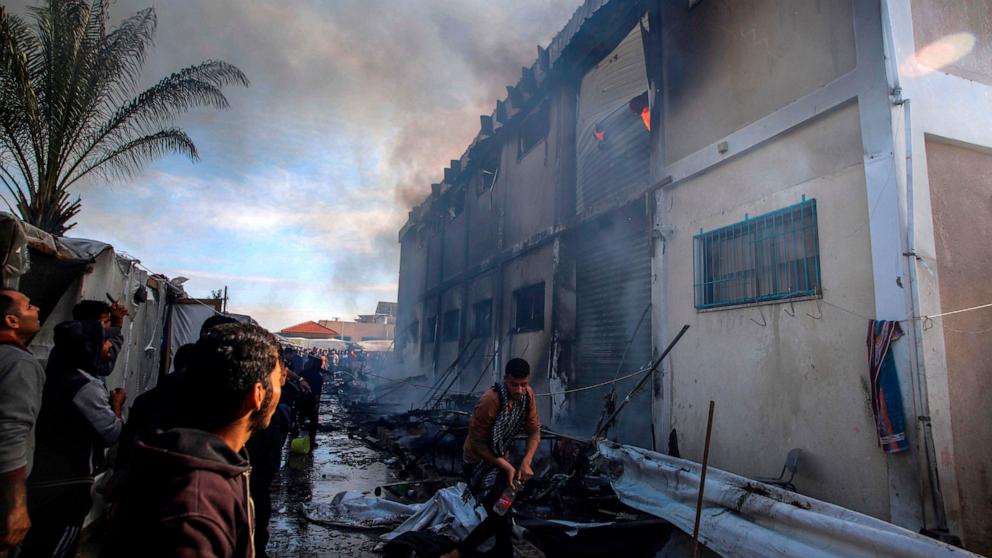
(501,413)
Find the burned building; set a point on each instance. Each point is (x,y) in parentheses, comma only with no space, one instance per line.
(775,175)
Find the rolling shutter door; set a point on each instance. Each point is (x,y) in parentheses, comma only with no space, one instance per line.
(612,140)
(613,289)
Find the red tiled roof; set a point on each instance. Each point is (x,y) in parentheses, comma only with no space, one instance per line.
(309,328)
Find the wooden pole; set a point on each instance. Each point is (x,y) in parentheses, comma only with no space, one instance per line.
(702,482)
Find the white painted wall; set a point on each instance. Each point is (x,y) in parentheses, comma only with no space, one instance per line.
(796,381)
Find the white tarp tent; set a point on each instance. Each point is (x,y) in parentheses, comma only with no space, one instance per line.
(64,271)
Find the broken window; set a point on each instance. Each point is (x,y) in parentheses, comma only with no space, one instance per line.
(456,203)
(482,318)
(534,129)
(431,330)
(449,326)
(529,308)
(487,178)
(771,257)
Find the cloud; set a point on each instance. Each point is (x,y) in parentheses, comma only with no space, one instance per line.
(354,109)
(233,277)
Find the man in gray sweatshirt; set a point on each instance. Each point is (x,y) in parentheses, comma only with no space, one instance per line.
(22,380)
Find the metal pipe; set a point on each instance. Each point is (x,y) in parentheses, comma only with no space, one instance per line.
(921,380)
(922,396)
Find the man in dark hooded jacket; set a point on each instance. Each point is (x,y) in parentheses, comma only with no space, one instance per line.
(186,490)
(79,419)
(157,408)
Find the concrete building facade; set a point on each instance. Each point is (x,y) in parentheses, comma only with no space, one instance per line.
(773,174)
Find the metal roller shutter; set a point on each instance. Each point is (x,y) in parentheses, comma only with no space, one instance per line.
(612,140)
(613,289)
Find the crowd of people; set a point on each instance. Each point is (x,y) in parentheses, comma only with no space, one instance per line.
(194,461)
(180,470)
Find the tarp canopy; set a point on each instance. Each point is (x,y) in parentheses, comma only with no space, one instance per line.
(745,518)
(375,346)
(327,344)
(188,318)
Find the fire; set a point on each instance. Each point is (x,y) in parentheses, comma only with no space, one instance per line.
(600,135)
(646,117)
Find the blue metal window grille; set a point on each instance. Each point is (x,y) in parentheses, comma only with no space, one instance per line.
(771,257)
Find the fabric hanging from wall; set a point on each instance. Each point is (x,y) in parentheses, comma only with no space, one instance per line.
(886,399)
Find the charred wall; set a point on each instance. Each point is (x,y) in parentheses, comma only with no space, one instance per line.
(413,260)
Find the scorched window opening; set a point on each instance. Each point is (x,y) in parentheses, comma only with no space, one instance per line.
(529,308)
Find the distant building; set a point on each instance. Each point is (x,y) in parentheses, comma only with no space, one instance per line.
(367,327)
(310,330)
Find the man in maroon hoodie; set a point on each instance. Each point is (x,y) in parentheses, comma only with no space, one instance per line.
(187,489)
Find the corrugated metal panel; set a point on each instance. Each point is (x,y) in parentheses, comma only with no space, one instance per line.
(574,25)
(613,288)
(612,140)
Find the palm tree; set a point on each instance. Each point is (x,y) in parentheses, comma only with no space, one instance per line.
(68,108)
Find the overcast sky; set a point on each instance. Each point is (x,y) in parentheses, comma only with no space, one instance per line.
(355,107)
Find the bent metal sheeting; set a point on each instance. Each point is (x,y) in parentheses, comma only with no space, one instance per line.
(746,518)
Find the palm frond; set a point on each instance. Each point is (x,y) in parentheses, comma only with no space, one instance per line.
(129,157)
(68,107)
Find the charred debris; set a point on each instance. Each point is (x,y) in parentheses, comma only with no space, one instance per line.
(568,508)
(424,450)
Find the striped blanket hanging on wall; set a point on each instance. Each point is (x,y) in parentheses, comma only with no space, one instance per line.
(886,399)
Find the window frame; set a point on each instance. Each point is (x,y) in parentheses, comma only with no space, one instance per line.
(477,329)
(762,260)
(452,316)
(530,292)
(539,116)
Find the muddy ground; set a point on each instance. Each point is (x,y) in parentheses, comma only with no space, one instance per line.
(338,463)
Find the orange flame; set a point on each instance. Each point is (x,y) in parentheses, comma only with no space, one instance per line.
(646,117)
(600,135)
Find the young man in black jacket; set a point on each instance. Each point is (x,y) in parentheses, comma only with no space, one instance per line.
(186,491)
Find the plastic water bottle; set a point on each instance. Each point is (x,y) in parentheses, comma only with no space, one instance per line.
(505,500)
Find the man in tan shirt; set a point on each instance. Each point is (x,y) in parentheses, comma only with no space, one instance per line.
(501,413)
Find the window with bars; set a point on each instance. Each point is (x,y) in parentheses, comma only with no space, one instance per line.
(771,257)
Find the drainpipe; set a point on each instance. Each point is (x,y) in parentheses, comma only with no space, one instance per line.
(920,380)
(923,399)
